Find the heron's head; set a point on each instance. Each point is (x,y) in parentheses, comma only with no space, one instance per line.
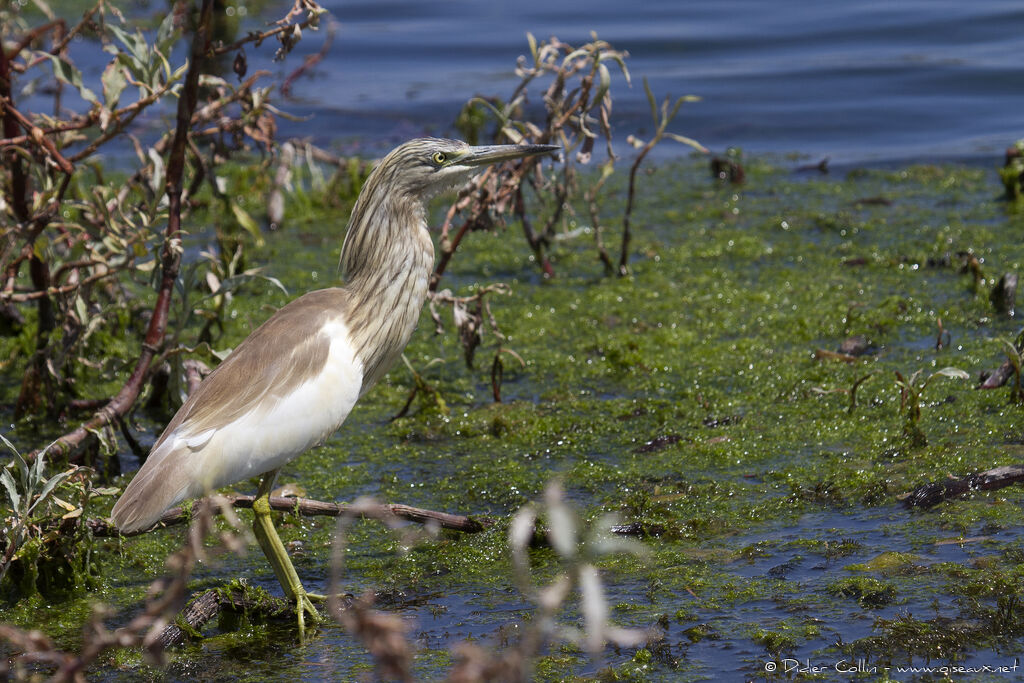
(427,166)
(389,213)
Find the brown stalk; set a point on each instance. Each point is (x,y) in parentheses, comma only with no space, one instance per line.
(36,375)
(32,35)
(310,61)
(73,444)
(448,246)
(36,135)
(595,219)
(627,232)
(258,38)
(537,242)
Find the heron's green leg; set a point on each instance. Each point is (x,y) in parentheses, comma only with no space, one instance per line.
(273,548)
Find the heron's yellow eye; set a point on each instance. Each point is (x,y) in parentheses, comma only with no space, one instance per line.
(439,158)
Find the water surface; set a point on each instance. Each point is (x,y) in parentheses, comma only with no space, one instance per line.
(857,81)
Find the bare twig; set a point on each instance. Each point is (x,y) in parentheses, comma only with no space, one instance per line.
(662,117)
(310,61)
(999,376)
(448,247)
(284,25)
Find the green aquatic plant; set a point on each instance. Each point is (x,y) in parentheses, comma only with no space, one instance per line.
(911,393)
(1015,356)
(661,116)
(869,592)
(28,491)
(1012,172)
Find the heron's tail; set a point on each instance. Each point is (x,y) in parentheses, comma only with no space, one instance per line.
(163,481)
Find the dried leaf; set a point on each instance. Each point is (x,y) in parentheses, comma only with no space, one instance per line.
(594,607)
(212,281)
(81,311)
(12,488)
(247,222)
(156,180)
(561,523)
(550,597)
(688,141)
(955,373)
(107,491)
(51,484)
(114,83)
(520,533)
(63,503)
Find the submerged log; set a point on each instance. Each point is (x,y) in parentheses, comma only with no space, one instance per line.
(999,377)
(1004,294)
(237,599)
(929,495)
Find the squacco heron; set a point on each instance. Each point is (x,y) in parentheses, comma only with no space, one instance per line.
(292,382)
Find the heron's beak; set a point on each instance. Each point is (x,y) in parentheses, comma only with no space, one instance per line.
(492,154)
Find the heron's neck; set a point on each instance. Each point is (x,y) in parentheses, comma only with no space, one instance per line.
(386,260)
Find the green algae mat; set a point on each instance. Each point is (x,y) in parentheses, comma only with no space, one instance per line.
(786,359)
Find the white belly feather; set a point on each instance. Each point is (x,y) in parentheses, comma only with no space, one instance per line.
(276,430)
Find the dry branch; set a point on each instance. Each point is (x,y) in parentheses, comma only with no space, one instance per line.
(929,495)
(312,508)
(999,376)
(308,507)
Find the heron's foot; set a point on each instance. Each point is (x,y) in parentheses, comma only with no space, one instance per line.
(316,597)
(303,607)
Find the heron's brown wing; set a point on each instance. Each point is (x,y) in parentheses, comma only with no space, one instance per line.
(278,358)
(281,354)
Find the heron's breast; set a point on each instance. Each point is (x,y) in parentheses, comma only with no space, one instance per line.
(282,427)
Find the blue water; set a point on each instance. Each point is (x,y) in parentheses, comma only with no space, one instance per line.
(862,81)
(865,81)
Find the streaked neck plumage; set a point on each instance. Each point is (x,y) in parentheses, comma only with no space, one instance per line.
(386,261)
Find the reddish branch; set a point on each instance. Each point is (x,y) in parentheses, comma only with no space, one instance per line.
(31,36)
(73,444)
(310,62)
(483,200)
(36,135)
(56,289)
(448,246)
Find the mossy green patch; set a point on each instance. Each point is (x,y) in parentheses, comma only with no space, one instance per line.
(867,591)
(703,400)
